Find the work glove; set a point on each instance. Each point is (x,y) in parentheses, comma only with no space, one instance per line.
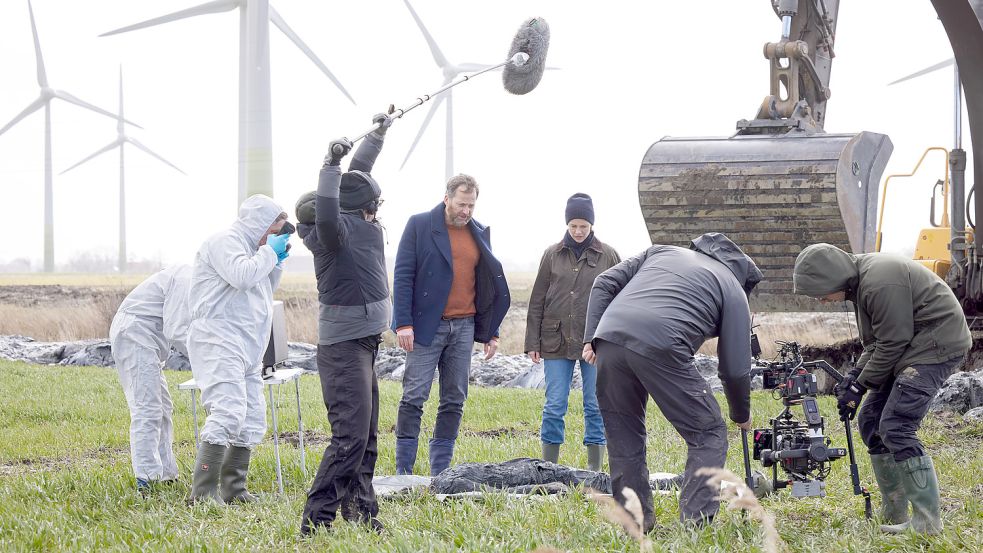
(384,122)
(849,399)
(279,245)
(849,378)
(337,150)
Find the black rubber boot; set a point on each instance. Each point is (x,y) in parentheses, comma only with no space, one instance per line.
(208,467)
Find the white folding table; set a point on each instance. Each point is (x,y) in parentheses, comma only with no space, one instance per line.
(281,376)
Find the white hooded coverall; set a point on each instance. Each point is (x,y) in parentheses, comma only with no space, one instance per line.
(231,301)
(151,320)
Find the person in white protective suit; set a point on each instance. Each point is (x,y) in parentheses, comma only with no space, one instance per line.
(151,320)
(231,299)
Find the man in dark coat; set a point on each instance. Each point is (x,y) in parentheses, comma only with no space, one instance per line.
(646,318)
(449,292)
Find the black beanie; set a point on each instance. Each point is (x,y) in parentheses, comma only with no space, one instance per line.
(580,206)
(358,189)
(304,209)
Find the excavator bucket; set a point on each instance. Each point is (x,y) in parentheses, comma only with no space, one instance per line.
(772,195)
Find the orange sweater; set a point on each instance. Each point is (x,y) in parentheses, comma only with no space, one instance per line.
(465,256)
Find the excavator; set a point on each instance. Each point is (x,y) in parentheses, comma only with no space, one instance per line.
(782,182)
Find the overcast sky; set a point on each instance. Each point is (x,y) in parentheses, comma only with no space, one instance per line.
(631,73)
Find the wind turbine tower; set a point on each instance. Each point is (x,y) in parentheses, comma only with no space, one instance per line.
(255,121)
(450,71)
(44,99)
(122,139)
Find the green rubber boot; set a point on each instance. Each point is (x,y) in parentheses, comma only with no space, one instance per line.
(551,452)
(208,467)
(234,469)
(595,457)
(889,475)
(921,486)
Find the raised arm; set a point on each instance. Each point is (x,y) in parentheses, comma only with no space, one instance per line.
(327,203)
(240,269)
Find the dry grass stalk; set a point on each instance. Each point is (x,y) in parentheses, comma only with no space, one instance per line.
(736,495)
(629,517)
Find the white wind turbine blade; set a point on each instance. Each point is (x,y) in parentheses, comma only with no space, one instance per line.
(34,106)
(936,67)
(217,6)
(136,143)
(42,74)
(73,100)
(438,56)
(423,127)
(103,150)
(282,25)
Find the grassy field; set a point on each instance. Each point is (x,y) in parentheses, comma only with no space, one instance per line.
(66,484)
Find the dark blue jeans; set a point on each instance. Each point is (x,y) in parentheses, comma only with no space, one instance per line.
(450,354)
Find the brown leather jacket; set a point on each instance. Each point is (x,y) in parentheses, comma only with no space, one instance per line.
(558,304)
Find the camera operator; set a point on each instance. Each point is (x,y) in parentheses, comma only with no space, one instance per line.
(646,317)
(914,336)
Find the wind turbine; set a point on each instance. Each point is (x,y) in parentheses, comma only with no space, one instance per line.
(450,71)
(44,99)
(255,127)
(121,139)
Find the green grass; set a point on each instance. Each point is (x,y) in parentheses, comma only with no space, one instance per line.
(66,484)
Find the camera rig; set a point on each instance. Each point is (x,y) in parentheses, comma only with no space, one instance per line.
(799,447)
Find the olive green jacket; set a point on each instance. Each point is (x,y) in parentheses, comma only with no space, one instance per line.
(905,313)
(558,303)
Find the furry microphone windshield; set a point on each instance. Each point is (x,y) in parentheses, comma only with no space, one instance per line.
(533,40)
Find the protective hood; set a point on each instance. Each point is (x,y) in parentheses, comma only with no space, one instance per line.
(256,214)
(822,269)
(719,247)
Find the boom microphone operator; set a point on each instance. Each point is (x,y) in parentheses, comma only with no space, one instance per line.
(523,69)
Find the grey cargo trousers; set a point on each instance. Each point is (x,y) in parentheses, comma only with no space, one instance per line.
(624,380)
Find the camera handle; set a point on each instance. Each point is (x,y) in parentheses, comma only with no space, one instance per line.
(858,489)
(747,462)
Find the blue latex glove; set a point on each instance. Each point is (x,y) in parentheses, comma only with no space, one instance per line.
(279,245)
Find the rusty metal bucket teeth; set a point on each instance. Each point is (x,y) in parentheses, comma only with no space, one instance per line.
(772,195)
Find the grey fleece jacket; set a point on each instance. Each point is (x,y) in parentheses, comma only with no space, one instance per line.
(905,313)
(665,302)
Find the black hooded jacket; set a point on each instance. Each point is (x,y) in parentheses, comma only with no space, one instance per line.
(665,302)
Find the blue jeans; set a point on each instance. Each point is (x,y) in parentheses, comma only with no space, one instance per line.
(450,354)
(559,375)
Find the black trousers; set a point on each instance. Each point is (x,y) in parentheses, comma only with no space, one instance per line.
(891,415)
(625,380)
(351,394)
